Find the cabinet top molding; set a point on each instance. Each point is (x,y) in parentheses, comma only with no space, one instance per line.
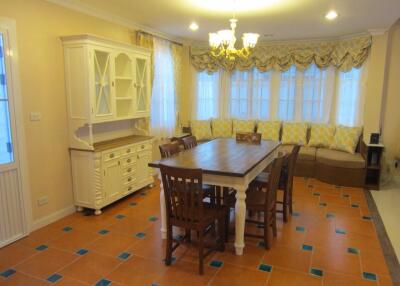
(94,39)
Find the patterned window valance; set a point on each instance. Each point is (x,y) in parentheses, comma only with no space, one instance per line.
(343,54)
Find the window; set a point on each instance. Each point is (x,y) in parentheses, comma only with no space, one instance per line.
(348,98)
(6,150)
(207,95)
(314,94)
(163,114)
(250,94)
(287,92)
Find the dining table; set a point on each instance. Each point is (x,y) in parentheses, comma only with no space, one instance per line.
(225,163)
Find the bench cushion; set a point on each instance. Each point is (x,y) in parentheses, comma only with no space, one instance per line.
(340,159)
(221,128)
(305,154)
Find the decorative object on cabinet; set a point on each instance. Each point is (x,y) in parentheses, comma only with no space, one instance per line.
(372,154)
(108,97)
(374,138)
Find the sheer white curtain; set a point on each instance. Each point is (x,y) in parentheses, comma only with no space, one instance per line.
(163,98)
(292,95)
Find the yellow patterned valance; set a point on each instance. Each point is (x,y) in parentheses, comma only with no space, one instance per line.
(343,54)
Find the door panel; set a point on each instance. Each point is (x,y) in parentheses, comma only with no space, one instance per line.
(143,170)
(112,179)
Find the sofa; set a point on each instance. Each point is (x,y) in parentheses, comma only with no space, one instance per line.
(332,154)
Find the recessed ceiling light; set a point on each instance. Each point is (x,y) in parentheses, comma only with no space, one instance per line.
(331,15)
(193,26)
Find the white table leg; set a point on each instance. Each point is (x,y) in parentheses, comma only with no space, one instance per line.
(240,219)
(163,210)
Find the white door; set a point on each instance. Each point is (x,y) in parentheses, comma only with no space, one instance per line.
(12,209)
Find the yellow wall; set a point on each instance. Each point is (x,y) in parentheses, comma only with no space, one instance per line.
(39,27)
(391,104)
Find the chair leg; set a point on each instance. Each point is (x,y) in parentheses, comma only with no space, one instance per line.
(201,252)
(267,241)
(274,228)
(188,235)
(221,232)
(227,221)
(168,257)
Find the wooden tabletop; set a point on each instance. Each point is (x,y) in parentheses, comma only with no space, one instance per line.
(222,157)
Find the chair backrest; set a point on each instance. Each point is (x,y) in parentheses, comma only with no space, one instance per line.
(189,142)
(183,195)
(169,149)
(248,137)
(286,181)
(273,181)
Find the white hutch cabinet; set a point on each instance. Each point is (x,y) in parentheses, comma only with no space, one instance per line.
(108,97)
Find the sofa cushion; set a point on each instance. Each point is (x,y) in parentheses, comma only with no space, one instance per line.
(321,135)
(346,139)
(243,126)
(340,159)
(294,133)
(306,153)
(269,129)
(221,128)
(201,129)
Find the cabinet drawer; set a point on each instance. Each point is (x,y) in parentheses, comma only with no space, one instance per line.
(128,180)
(126,161)
(111,155)
(128,151)
(144,146)
(129,171)
(128,189)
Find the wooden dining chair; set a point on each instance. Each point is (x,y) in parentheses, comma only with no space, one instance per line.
(189,142)
(264,200)
(285,182)
(169,149)
(248,137)
(186,209)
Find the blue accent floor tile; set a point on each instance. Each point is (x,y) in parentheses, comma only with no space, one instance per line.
(140,235)
(300,229)
(82,251)
(132,204)
(354,205)
(179,237)
(316,272)
(120,216)
(369,276)
(366,217)
(103,282)
(323,204)
(67,229)
(216,263)
(103,231)
(261,244)
(154,284)
(316,194)
(296,214)
(306,247)
(330,215)
(346,195)
(54,278)
(143,194)
(153,218)
(124,255)
(42,247)
(265,267)
(340,231)
(7,273)
(173,259)
(353,250)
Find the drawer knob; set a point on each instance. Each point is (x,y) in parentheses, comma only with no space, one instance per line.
(128,151)
(129,170)
(129,179)
(142,146)
(130,189)
(112,155)
(129,160)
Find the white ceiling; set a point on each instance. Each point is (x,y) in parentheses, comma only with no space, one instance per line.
(284,19)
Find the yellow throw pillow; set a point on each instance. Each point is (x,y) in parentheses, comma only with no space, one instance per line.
(321,135)
(242,126)
(221,128)
(201,129)
(269,129)
(294,133)
(346,139)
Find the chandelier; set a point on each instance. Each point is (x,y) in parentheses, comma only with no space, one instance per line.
(222,43)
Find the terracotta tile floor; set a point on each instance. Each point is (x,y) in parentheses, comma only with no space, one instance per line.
(330,240)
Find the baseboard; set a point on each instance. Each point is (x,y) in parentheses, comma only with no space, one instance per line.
(53,217)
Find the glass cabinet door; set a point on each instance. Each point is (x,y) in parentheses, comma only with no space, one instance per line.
(142,88)
(102,73)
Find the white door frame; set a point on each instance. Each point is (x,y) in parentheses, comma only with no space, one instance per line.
(8,27)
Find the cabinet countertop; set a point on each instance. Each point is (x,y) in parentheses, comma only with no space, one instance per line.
(118,142)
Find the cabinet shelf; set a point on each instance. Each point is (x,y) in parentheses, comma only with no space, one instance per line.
(124,98)
(123,78)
